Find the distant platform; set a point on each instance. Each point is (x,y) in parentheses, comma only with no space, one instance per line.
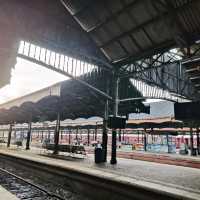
(6,195)
(180,182)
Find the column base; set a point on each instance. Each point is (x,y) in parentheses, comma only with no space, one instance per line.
(113,162)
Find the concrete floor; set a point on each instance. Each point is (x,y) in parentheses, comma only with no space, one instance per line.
(183,178)
(5,195)
(168,175)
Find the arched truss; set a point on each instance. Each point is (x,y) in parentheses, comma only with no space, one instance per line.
(161,76)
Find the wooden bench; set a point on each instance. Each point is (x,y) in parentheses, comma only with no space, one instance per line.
(18,143)
(2,140)
(77,149)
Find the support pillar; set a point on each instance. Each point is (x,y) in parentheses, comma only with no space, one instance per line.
(191,142)
(76,134)
(198,142)
(61,135)
(142,138)
(95,134)
(105,130)
(123,136)
(167,142)
(28,136)
(120,135)
(114,148)
(15,134)
(56,134)
(9,135)
(145,140)
(81,136)
(49,137)
(42,136)
(22,134)
(70,136)
(88,137)
(114,131)
(104,140)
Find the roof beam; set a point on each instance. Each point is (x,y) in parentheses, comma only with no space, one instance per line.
(104,59)
(194,77)
(155,50)
(66,74)
(88,5)
(193,69)
(141,26)
(145,32)
(112,17)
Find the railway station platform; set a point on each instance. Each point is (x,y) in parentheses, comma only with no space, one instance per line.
(5,195)
(163,158)
(176,181)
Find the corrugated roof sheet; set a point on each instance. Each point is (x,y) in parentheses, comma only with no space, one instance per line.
(124,29)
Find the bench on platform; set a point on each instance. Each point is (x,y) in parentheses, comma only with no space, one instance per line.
(77,149)
(2,140)
(18,143)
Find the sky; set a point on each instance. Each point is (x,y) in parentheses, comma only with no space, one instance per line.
(27,77)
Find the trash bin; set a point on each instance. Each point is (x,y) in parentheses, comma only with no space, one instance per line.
(98,155)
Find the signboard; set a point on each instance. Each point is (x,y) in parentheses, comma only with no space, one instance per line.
(116,122)
(187,111)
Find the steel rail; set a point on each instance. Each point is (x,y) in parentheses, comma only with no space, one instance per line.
(32,184)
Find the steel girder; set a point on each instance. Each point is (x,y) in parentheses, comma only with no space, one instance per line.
(164,71)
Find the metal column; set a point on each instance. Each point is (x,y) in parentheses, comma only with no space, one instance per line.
(28,136)
(167,136)
(49,134)
(114,131)
(104,140)
(191,142)
(42,136)
(105,130)
(61,135)
(76,134)
(69,136)
(88,137)
(198,142)
(95,133)
(56,134)
(105,133)
(9,135)
(145,140)
(14,134)
(120,135)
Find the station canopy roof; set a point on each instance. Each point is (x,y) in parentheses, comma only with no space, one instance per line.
(115,31)
(131,29)
(151,125)
(164,122)
(74,101)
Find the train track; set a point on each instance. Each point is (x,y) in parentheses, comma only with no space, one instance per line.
(24,189)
